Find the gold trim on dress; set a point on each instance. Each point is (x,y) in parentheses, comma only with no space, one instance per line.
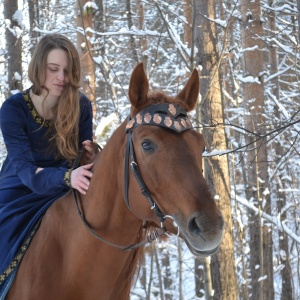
(67,177)
(37,118)
(19,256)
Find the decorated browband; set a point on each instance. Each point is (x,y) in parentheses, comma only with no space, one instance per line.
(167,115)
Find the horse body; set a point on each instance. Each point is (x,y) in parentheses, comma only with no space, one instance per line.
(64,261)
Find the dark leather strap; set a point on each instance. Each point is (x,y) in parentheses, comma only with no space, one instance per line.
(129,154)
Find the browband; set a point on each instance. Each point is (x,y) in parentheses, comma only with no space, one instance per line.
(167,115)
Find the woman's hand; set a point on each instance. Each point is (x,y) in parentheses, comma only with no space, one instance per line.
(80,178)
(89,154)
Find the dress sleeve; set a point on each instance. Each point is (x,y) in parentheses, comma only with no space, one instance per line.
(13,121)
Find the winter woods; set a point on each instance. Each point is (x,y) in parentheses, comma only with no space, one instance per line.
(247,53)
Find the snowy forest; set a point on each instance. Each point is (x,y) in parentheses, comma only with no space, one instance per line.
(248,111)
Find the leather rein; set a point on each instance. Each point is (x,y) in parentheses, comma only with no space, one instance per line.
(170,116)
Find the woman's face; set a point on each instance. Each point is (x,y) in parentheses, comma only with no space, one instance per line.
(56,72)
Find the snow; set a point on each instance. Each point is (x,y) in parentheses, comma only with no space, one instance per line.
(168,63)
(90,4)
(248,79)
(104,123)
(17,76)
(18,17)
(275,220)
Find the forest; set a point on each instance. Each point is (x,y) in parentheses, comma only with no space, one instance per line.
(248,111)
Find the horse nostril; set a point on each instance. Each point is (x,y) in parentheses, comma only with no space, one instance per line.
(194,227)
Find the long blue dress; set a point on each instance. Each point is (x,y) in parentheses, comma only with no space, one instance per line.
(24,195)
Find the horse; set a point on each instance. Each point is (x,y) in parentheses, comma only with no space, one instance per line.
(149,175)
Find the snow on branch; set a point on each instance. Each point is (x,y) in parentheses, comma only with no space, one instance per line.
(182,49)
(121,31)
(278,73)
(283,8)
(286,49)
(248,79)
(281,225)
(283,111)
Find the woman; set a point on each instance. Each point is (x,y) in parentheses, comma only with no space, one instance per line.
(43,128)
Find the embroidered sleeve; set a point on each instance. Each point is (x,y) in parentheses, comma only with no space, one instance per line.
(67,177)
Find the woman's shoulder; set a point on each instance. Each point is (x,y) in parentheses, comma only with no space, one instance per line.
(15,99)
(85,102)
(13,103)
(84,99)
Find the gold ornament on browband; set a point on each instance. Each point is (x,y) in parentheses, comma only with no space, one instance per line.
(166,115)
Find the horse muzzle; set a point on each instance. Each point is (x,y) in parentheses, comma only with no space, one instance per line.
(202,233)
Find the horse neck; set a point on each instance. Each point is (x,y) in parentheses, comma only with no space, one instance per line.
(104,202)
(107,213)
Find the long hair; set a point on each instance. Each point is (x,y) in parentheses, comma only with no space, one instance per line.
(64,127)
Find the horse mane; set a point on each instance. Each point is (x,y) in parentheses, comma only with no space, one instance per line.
(158,97)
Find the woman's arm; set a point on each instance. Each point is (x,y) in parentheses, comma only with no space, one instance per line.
(13,122)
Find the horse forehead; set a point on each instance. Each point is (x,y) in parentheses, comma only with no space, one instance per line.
(166,136)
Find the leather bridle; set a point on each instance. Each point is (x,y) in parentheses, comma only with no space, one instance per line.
(167,115)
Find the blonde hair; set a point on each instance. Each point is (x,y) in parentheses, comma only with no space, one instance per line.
(64,128)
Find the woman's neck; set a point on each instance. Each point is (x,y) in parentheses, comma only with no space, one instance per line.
(44,104)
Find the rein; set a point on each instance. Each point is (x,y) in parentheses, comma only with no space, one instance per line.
(170,116)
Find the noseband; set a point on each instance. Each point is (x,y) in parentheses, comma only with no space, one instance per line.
(170,116)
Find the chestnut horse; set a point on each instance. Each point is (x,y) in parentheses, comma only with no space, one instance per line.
(65,261)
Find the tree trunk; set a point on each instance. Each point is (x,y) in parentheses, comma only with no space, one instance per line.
(199,277)
(258,183)
(216,168)
(188,14)
(143,40)
(13,46)
(236,176)
(101,89)
(180,268)
(85,48)
(298,19)
(167,275)
(33,19)
(159,274)
(286,273)
(132,42)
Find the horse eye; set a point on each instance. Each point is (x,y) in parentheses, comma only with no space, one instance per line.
(148,146)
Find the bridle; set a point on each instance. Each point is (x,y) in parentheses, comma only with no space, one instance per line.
(167,115)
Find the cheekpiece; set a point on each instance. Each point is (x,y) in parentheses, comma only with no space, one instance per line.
(166,115)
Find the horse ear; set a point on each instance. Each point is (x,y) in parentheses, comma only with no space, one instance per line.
(138,86)
(190,92)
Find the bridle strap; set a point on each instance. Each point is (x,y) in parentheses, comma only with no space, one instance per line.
(126,172)
(129,153)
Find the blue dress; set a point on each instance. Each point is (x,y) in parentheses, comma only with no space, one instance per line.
(24,195)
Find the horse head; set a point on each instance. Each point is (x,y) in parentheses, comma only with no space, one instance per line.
(168,153)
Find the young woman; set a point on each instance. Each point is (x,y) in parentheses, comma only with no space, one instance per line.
(43,128)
